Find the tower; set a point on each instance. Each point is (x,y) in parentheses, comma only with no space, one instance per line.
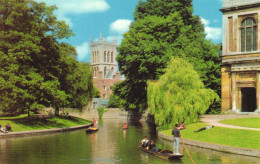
(104,65)
(103,58)
(240,72)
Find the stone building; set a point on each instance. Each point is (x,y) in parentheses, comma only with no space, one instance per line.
(240,90)
(104,65)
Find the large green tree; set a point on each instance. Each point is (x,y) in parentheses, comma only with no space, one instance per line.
(162,29)
(178,95)
(35,66)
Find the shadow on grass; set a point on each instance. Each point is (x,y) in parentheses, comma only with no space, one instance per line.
(47,123)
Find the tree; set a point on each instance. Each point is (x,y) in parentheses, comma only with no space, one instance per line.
(178,95)
(156,36)
(34,62)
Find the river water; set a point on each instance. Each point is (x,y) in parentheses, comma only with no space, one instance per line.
(109,145)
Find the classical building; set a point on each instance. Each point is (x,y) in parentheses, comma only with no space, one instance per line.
(104,65)
(240,90)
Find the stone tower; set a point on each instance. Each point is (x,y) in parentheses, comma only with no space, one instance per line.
(103,58)
(240,72)
(104,65)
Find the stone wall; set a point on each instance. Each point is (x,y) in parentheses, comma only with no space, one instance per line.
(111,113)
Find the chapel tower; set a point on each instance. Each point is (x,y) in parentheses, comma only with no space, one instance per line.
(103,58)
(240,72)
(104,65)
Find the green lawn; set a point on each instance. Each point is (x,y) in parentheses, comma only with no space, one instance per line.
(223,136)
(253,122)
(26,124)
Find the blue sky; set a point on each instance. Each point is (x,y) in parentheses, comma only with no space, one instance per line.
(112,17)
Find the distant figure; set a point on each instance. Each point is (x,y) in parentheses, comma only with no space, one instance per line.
(153,147)
(176,141)
(67,115)
(205,128)
(124,126)
(2,129)
(144,142)
(8,127)
(94,122)
(182,126)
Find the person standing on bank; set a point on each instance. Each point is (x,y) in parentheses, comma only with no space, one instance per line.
(176,140)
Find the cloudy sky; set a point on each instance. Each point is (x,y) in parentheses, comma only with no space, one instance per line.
(112,17)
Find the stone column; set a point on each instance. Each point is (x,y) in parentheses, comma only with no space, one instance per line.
(258,92)
(233,91)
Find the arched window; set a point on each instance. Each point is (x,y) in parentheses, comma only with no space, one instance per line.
(105,72)
(105,57)
(112,59)
(108,56)
(248,34)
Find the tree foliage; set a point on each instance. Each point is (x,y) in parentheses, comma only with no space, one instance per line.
(162,29)
(178,95)
(36,68)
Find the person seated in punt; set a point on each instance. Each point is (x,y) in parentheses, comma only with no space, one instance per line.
(94,122)
(182,126)
(144,143)
(153,147)
(8,127)
(124,126)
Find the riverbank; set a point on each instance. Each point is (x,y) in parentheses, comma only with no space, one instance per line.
(22,126)
(224,138)
(217,147)
(40,132)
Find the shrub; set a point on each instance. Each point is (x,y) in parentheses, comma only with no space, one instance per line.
(101,111)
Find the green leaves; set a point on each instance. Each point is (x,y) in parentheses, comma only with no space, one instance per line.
(163,29)
(37,69)
(179,95)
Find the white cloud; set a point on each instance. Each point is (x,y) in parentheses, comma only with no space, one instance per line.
(213,33)
(120,26)
(83,51)
(204,21)
(76,7)
(83,6)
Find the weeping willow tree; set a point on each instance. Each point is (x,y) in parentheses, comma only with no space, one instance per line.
(179,95)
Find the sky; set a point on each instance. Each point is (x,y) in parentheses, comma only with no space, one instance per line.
(112,18)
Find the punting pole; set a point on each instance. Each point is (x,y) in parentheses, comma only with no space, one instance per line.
(187,150)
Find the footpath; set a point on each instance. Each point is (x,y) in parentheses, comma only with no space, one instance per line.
(213,120)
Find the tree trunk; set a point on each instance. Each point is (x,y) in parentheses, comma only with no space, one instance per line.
(57,111)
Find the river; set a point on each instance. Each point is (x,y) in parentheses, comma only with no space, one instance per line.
(110,144)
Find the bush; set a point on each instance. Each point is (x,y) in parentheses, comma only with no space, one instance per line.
(101,111)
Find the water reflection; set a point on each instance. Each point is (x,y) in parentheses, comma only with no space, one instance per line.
(111,144)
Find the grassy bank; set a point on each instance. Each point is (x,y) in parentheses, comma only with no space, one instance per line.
(35,123)
(253,122)
(223,136)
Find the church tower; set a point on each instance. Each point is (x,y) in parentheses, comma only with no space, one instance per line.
(240,72)
(104,65)
(103,58)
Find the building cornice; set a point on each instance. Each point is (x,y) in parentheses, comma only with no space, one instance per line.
(235,8)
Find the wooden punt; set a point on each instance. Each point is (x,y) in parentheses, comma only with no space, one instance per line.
(165,154)
(90,130)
